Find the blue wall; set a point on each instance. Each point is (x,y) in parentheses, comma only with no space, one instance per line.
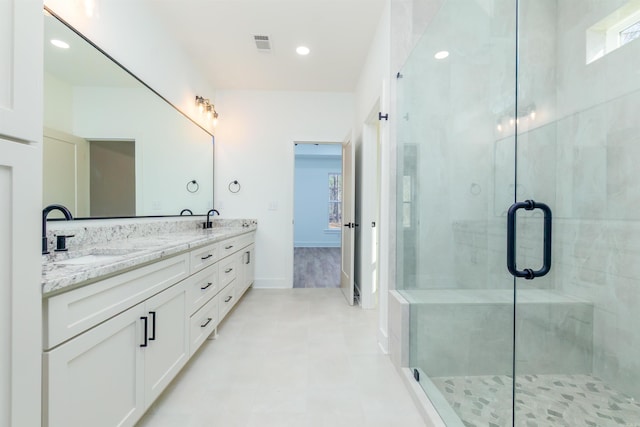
(313,165)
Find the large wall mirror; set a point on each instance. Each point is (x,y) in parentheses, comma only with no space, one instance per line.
(112,146)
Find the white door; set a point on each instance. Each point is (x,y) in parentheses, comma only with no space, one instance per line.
(348,220)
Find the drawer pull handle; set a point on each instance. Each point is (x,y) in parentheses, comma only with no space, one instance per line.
(145,319)
(207,287)
(228,298)
(228,247)
(206,257)
(153,326)
(228,270)
(204,325)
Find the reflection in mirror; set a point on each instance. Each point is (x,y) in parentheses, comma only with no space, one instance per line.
(113,147)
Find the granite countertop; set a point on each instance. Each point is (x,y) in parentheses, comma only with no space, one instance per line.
(60,273)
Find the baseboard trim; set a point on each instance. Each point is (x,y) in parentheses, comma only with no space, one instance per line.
(272,284)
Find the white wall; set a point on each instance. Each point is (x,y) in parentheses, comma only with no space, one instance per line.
(255,145)
(127,31)
(312,196)
(372,91)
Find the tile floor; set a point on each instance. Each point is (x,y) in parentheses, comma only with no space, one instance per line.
(541,401)
(316,267)
(296,357)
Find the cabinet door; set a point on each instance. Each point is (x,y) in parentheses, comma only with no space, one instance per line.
(97,378)
(21,57)
(168,331)
(20,289)
(248,266)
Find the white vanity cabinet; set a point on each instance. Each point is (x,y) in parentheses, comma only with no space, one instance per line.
(111,347)
(110,374)
(246,274)
(167,343)
(97,378)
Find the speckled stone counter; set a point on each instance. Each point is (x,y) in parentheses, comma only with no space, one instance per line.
(115,246)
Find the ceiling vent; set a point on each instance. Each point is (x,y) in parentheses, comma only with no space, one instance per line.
(262,43)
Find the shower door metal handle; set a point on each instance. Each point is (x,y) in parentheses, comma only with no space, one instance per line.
(528,273)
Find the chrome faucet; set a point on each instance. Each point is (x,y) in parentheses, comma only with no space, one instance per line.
(209,224)
(45,212)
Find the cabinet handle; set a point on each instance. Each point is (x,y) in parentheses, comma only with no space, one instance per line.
(228,247)
(228,298)
(153,326)
(228,270)
(206,323)
(146,337)
(248,257)
(206,257)
(207,287)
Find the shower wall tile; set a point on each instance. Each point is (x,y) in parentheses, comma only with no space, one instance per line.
(475,338)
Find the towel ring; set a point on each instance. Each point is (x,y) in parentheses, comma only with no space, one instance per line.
(193,186)
(234,186)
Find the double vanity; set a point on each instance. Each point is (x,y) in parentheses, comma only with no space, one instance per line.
(126,310)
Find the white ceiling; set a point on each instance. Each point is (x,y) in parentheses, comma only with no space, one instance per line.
(218,35)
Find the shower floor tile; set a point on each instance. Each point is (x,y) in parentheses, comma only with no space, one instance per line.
(541,401)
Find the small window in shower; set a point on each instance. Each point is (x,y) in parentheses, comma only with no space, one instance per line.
(616,30)
(630,33)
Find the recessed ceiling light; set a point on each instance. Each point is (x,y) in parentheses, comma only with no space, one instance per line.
(60,44)
(302,50)
(441,55)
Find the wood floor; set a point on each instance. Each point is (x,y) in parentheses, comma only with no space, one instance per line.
(316,267)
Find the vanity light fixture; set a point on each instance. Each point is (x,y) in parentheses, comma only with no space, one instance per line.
(205,106)
(60,44)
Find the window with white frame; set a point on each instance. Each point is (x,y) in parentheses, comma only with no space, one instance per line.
(614,31)
(335,200)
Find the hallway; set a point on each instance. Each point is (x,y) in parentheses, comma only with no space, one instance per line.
(294,357)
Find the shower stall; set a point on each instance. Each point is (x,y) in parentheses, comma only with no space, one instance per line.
(518,211)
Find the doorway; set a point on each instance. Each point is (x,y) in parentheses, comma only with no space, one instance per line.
(317,215)
(112,171)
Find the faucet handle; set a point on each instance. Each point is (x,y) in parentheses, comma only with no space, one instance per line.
(61,242)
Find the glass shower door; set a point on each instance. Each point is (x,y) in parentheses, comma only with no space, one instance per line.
(456,102)
(578,151)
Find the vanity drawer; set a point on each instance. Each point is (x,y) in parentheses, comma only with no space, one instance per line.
(227,299)
(228,271)
(204,257)
(201,287)
(203,323)
(227,247)
(71,313)
(245,240)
